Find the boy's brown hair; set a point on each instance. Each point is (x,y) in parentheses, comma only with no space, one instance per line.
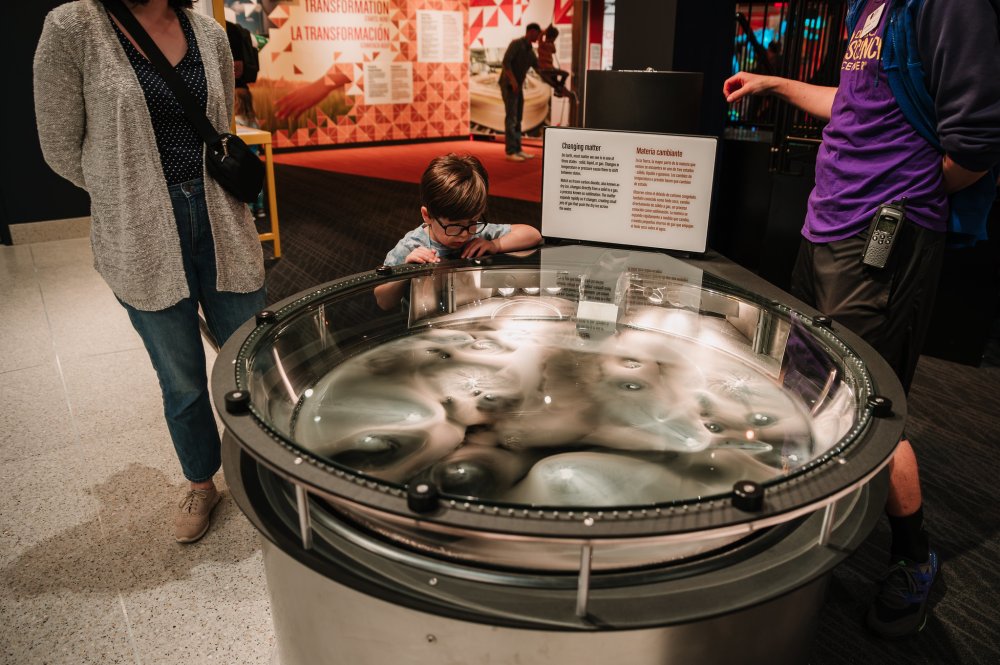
(455,187)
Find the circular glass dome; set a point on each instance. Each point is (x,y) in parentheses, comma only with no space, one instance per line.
(577,392)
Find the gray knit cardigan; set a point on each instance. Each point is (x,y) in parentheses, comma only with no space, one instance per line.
(96,132)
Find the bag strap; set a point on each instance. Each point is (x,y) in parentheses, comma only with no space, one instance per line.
(192,109)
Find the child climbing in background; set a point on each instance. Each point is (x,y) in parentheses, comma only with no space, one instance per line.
(546,62)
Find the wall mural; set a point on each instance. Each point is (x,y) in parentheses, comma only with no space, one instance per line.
(355,71)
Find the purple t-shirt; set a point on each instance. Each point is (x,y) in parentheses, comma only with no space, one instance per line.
(870,153)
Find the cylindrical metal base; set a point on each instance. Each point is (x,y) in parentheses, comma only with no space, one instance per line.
(321,622)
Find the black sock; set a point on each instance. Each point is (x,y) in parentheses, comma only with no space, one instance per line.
(908,539)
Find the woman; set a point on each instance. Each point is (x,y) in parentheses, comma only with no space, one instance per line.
(166,237)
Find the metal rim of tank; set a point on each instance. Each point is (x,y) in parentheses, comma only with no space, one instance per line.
(842,469)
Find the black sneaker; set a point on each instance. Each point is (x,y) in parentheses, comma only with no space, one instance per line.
(900,608)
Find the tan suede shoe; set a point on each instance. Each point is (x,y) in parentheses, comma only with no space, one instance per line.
(193,513)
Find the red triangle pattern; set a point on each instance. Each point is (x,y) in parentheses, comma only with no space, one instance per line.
(507,7)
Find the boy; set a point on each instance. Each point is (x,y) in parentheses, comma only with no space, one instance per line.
(453,193)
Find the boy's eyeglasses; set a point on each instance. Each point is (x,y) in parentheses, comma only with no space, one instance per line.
(457,229)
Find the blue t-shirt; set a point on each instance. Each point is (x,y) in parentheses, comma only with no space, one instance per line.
(870,153)
(420,237)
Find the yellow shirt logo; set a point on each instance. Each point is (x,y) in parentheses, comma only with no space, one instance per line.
(863,49)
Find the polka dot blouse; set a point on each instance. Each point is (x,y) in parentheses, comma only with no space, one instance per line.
(178,142)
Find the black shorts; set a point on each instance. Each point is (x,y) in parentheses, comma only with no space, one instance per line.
(890,307)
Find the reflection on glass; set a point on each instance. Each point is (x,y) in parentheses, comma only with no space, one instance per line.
(546,418)
(591,378)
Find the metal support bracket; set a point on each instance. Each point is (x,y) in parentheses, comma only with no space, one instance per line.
(583,581)
(305,519)
(827,527)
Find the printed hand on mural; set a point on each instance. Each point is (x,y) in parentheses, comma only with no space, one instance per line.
(305,97)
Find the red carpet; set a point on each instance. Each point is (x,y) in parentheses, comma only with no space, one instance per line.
(406,163)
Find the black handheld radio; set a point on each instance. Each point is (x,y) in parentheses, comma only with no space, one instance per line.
(886,224)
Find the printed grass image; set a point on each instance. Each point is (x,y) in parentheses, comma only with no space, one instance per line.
(267,92)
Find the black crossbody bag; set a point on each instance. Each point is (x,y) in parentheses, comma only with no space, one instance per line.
(227,159)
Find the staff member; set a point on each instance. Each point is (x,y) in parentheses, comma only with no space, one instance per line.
(517,60)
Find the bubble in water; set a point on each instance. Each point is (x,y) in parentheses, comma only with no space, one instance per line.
(631,385)
(760,419)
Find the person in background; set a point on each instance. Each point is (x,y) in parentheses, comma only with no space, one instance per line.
(166,237)
(874,152)
(453,196)
(245,67)
(517,60)
(546,62)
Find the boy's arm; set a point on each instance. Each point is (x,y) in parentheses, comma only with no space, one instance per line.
(408,250)
(390,295)
(521,236)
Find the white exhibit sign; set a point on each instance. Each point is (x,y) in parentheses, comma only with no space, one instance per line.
(388,82)
(440,36)
(628,188)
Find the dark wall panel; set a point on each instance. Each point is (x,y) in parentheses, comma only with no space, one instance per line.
(704,43)
(29,190)
(644,34)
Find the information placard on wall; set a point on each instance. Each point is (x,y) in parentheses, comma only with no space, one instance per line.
(440,36)
(628,188)
(388,83)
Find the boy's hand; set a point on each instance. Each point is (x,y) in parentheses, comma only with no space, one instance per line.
(423,255)
(479,247)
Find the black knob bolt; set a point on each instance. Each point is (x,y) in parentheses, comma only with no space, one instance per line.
(881,406)
(238,402)
(748,496)
(266,317)
(383,270)
(823,322)
(422,497)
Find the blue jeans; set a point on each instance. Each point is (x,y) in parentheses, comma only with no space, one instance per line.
(172,336)
(513,108)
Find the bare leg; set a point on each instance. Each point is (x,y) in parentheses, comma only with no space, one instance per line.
(904,482)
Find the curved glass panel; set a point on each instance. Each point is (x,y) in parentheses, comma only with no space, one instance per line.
(587,378)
